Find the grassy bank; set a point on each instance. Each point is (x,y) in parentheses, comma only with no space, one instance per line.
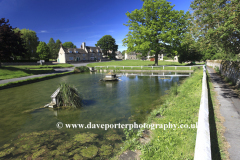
(32,80)
(9,72)
(13,72)
(181,106)
(135,63)
(41,66)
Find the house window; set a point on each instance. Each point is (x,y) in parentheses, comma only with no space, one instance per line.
(83,54)
(70,51)
(91,50)
(71,58)
(76,51)
(92,54)
(99,54)
(83,58)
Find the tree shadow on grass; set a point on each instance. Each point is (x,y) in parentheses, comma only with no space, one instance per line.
(215,151)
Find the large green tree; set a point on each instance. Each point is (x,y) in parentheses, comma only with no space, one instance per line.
(218,25)
(52,46)
(11,43)
(107,43)
(154,27)
(69,45)
(31,41)
(43,51)
(57,47)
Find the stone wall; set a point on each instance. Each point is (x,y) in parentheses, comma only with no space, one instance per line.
(228,69)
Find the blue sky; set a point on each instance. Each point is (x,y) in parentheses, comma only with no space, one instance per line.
(75,20)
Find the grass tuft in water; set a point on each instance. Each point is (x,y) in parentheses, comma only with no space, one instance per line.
(68,96)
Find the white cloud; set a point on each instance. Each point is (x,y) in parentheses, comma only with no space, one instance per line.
(43,31)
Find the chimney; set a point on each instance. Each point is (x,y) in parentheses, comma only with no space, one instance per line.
(83,46)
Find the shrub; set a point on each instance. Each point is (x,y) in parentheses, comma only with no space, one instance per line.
(81,69)
(217,70)
(68,96)
(166,58)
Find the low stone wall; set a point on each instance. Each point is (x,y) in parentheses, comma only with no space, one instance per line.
(229,69)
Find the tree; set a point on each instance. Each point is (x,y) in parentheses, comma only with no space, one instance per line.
(153,27)
(43,51)
(57,47)
(52,46)
(107,43)
(11,43)
(31,41)
(218,24)
(69,45)
(139,56)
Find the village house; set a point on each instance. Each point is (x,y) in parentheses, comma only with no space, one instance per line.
(131,55)
(118,55)
(85,53)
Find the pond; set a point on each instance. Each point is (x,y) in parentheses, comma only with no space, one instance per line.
(26,132)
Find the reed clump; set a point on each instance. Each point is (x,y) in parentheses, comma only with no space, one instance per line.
(69,96)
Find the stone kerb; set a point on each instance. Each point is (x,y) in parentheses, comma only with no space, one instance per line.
(203,145)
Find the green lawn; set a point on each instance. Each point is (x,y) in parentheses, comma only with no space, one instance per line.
(9,72)
(43,66)
(145,68)
(14,72)
(113,65)
(135,63)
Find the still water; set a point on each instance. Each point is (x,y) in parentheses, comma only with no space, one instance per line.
(24,131)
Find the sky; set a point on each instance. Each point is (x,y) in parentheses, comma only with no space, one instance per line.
(76,21)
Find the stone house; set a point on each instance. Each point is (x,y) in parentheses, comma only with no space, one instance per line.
(85,53)
(160,56)
(119,55)
(131,55)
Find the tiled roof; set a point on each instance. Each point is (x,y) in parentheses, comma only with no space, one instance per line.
(74,49)
(94,49)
